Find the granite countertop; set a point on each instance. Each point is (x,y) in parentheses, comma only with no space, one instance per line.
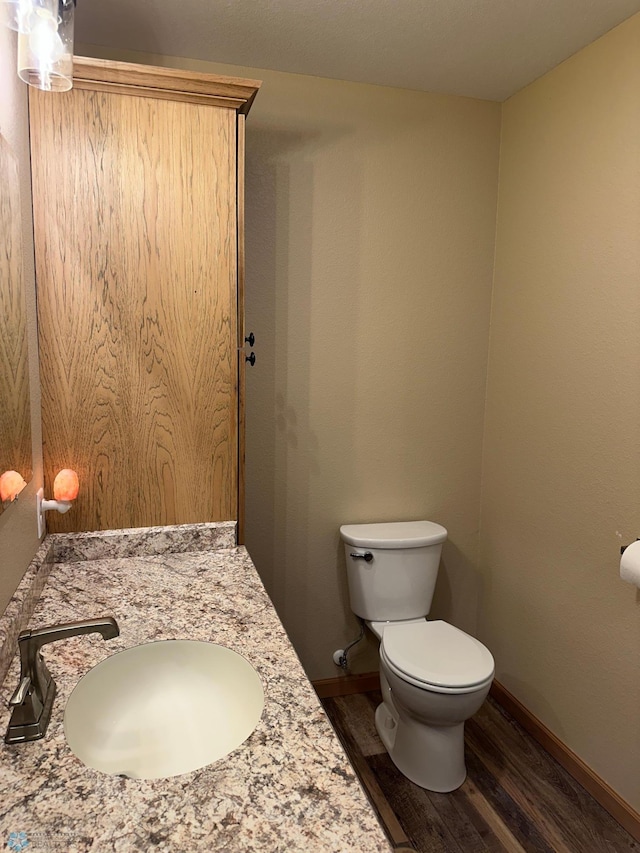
(289,787)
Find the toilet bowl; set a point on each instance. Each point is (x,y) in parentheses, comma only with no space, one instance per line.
(433,676)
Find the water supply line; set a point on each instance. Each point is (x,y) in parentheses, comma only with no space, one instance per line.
(340,655)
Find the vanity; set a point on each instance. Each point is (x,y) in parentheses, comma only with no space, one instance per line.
(288,787)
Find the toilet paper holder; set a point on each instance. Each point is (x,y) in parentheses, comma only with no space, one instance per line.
(623,548)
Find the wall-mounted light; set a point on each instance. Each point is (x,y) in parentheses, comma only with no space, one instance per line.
(65,490)
(11,484)
(45,41)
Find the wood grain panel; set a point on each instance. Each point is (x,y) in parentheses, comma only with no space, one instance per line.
(178,81)
(344,685)
(346,724)
(357,710)
(135,224)
(469,809)
(234,104)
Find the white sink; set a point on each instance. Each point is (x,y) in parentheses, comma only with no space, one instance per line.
(163,708)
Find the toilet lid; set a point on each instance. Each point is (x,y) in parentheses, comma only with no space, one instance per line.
(437,653)
(394,534)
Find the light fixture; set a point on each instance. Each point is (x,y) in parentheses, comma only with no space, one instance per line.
(45,41)
(17,14)
(65,490)
(11,484)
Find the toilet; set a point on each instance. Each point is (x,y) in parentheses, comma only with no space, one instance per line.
(433,676)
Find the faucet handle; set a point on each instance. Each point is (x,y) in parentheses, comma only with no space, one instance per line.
(37,637)
(20,693)
(30,642)
(33,700)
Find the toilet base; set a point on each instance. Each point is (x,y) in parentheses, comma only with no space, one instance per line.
(430,756)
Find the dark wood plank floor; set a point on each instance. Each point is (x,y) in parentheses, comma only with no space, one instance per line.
(516,796)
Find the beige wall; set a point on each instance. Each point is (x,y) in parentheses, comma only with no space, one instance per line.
(561,478)
(371,217)
(18,536)
(370,238)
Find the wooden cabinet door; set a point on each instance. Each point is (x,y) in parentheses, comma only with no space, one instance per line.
(135,223)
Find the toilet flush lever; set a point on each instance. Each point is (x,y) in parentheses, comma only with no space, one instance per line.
(367,556)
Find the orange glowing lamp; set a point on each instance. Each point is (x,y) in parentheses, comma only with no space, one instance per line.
(65,490)
(11,484)
(66,485)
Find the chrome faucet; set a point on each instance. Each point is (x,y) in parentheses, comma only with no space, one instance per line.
(33,699)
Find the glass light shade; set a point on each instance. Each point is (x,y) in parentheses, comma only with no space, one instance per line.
(45,51)
(16,14)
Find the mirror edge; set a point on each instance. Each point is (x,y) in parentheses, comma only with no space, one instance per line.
(18,534)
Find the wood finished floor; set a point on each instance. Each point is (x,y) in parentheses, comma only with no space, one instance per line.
(516,796)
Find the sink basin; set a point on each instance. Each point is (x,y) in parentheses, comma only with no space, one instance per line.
(163,708)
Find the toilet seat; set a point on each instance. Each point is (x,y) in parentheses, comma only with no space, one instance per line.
(436,656)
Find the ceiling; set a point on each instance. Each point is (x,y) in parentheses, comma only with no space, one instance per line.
(479,48)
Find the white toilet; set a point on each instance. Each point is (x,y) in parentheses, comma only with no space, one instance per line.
(433,676)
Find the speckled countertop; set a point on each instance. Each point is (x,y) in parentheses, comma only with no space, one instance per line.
(289,787)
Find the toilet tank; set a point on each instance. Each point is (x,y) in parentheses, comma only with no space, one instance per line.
(397,580)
